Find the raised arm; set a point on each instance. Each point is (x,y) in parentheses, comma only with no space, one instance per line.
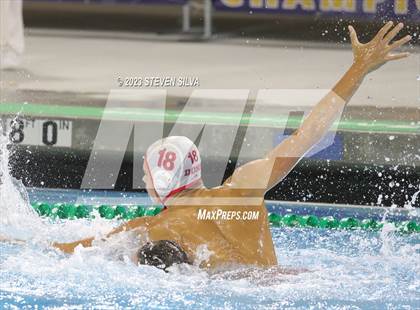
(266,172)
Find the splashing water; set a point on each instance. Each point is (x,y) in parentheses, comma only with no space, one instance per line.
(348,269)
(18,220)
(411,204)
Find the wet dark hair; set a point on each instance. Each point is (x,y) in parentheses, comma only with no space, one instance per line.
(162,254)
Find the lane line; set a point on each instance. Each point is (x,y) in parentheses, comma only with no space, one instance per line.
(143,114)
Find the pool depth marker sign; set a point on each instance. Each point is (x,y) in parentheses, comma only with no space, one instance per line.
(354,8)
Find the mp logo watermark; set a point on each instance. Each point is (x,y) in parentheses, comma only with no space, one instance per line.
(133,119)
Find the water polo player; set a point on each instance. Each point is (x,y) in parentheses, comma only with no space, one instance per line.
(172,169)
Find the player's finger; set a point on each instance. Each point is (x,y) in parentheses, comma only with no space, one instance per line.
(353,36)
(381,33)
(400,42)
(391,35)
(397,56)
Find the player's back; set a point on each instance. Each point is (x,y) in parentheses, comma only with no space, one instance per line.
(230,224)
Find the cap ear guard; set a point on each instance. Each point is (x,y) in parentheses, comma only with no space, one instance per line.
(165,181)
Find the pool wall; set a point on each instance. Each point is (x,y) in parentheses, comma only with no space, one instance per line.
(368,163)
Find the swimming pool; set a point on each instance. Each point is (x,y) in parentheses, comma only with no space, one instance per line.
(347,269)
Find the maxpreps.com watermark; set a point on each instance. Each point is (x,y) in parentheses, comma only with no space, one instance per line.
(219,214)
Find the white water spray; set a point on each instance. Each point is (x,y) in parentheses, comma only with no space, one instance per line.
(413,211)
(18,219)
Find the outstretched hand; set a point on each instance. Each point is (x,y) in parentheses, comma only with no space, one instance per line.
(10,240)
(372,55)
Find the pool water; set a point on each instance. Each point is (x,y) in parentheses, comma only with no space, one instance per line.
(350,270)
(346,269)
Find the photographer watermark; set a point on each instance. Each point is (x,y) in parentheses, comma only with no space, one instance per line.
(157,81)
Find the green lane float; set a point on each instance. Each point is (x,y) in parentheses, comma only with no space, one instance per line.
(122,212)
(77,211)
(293,220)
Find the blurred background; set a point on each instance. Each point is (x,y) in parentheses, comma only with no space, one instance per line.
(295,19)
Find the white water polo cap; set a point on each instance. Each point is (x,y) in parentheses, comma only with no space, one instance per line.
(174,164)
